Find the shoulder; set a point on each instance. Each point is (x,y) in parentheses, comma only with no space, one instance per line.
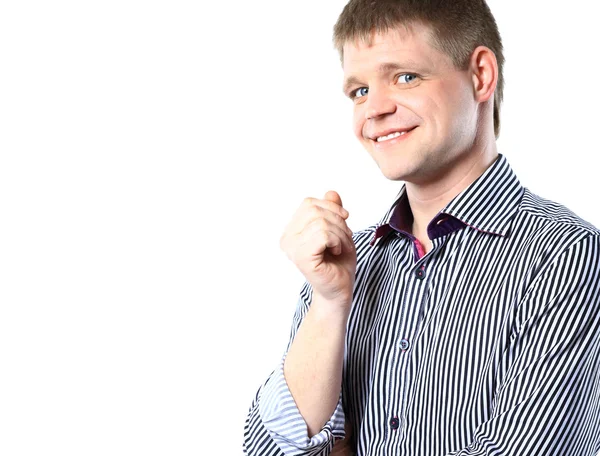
(547,229)
(555,241)
(550,212)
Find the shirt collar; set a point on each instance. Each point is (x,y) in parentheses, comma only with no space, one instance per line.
(487,205)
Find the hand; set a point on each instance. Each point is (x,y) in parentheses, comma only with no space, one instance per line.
(320,244)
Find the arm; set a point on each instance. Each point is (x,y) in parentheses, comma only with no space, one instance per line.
(298,410)
(313,366)
(549,400)
(274,425)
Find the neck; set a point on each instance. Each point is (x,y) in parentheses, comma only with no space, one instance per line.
(426,200)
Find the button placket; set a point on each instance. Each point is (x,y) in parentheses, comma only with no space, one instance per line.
(401,348)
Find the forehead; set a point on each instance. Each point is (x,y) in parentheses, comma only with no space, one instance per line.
(401,44)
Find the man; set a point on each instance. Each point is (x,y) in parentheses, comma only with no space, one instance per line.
(466,322)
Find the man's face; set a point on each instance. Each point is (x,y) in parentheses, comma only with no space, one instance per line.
(401,83)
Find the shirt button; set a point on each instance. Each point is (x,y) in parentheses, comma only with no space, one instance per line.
(404,344)
(394,423)
(420,274)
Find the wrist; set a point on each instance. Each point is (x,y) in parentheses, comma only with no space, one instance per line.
(324,308)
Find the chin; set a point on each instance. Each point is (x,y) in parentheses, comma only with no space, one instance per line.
(396,165)
(394,174)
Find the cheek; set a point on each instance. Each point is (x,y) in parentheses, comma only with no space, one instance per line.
(456,98)
(429,113)
(358,124)
(441,110)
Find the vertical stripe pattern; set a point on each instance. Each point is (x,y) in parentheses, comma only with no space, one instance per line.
(487,345)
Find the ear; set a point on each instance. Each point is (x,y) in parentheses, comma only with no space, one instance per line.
(484,73)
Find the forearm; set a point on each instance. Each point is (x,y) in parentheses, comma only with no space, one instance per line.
(313,365)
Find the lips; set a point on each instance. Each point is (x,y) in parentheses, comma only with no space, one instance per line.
(391,136)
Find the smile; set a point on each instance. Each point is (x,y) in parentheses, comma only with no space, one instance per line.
(393,135)
(393,138)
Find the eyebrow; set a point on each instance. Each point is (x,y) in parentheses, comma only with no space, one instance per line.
(386,67)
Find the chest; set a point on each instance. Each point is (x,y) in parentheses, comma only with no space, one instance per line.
(427,334)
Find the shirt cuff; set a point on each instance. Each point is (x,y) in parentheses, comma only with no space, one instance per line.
(285,424)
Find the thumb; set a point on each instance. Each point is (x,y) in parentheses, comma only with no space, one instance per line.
(333,196)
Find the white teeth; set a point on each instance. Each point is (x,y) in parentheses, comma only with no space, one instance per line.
(390,136)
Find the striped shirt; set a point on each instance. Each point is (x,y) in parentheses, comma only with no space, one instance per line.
(489,344)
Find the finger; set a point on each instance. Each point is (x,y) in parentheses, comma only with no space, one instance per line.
(320,241)
(295,241)
(318,212)
(341,236)
(334,197)
(327,204)
(311,214)
(327,218)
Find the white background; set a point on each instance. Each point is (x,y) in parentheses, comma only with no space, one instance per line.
(151,154)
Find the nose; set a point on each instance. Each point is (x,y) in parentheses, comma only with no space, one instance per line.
(379,103)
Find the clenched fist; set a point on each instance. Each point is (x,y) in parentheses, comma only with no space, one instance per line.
(320,244)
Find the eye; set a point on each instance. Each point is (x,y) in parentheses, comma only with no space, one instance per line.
(360,92)
(407,78)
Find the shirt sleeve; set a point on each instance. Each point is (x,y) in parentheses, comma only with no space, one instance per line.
(274,425)
(548,402)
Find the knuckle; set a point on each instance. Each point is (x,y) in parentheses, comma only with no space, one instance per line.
(323,237)
(308,201)
(315,211)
